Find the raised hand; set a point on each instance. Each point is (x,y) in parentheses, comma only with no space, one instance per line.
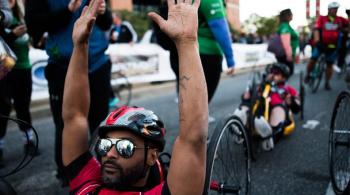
(182,21)
(20,30)
(83,26)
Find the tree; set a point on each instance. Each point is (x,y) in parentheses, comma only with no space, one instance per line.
(263,26)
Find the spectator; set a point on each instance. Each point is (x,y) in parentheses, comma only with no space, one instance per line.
(122,31)
(214,39)
(132,138)
(16,87)
(290,39)
(166,43)
(57,17)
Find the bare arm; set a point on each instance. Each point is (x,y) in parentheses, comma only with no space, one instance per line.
(76,97)
(316,36)
(187,167)
(287,46)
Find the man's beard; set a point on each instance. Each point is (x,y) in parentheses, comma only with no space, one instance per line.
(123,177)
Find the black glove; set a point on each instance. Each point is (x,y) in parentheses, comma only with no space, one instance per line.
(320,46)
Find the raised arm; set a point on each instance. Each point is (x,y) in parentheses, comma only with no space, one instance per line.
(76,97)
(187,167)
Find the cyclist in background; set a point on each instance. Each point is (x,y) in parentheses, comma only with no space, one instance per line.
(131,138)
(326,36)
(283,99)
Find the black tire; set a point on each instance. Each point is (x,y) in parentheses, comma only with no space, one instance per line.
(317,73)
(339,144)
(301,95)
(254,140)
(6,188)
(228,162)
(123,89)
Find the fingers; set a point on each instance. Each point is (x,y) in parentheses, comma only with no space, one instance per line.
(93,7)
(157,19)
(171,3)
(84,10)
(197,3)
(91,23)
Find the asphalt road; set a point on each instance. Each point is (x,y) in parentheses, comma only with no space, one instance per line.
(297,165)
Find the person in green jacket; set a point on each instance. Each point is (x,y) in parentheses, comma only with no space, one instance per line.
(16,87)
(289,38)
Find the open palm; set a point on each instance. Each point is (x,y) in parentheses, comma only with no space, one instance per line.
(83,26)
(182,20)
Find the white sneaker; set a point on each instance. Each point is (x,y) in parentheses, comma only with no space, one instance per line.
(267,145)
(262,127)
(211,119)
(336,68)
(241,114)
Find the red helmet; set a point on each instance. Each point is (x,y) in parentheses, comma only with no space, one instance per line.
(138,121)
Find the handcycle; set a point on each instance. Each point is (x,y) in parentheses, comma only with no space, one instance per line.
(228,159)
(260,107)
(339,145)
(317,73)
(5,186)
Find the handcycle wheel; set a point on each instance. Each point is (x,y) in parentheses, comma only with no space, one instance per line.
(339,144)
(302,95)
(253,139)
(228,159)
(122,90)
(317,73)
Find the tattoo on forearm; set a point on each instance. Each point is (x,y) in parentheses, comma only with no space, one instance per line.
(182,81)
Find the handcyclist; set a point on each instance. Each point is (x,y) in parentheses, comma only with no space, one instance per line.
(283,100)
(131,138)
(326,36)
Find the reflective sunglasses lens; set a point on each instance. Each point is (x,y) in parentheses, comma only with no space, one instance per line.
(103,146)
(125,148)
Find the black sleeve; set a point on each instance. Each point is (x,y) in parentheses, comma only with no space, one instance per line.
(104,21)
(40,19)
(165,190)
(8,37)
(295,107)
(73,169)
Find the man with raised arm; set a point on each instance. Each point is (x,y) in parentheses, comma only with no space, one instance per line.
(131,138)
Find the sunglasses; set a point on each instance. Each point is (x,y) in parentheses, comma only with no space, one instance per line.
(124,147)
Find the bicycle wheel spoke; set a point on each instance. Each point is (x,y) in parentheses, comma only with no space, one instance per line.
(341,145)
(229,161)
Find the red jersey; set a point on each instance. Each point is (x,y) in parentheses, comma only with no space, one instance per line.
(330,28)
(279,92)
(85,177)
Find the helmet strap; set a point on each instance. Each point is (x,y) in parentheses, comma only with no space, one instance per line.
(144,172)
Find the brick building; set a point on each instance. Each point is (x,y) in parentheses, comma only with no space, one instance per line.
(232,10)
